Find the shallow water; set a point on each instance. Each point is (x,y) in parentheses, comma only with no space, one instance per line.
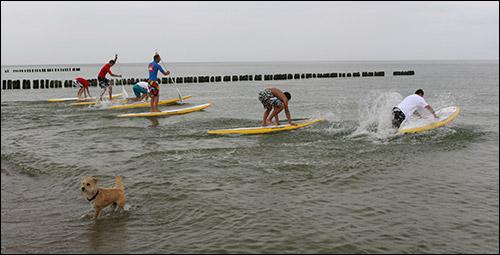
(345,185)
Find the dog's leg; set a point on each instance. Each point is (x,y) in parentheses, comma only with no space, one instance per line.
(121,203)
(97,212)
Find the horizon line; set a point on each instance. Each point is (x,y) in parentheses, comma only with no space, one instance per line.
(267,61)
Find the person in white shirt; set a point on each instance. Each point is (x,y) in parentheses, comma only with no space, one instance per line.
(141,91)
(408,107)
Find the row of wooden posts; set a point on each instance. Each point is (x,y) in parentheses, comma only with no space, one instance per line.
(44,70)
(44,84)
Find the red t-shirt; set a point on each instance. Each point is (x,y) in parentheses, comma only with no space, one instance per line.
(105,70)
(84,82)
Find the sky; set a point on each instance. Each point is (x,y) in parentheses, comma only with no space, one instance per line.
(92,32)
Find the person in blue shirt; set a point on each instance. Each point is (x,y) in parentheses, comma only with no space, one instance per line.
(153,68)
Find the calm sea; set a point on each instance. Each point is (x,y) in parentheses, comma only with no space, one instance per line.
(346,185)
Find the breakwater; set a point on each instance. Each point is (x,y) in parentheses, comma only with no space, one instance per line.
(51,83)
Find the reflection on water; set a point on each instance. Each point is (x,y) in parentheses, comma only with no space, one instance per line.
(154,121)
(108,235)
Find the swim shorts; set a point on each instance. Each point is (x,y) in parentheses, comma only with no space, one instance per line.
(154,88)
(268,100)
(103,82)
(397,117)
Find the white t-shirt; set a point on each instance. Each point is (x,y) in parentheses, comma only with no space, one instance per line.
(144,85)
(411,103)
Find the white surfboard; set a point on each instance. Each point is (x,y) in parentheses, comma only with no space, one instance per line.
(416,125)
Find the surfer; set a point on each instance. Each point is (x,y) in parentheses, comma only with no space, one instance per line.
(154,88)
(277,99)
(409,106)
(103,81)
(83,86)
(141,91)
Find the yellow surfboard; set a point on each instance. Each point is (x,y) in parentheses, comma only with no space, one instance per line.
(57,100)
(445,115)
(264,129)
(168,112)
(134,105)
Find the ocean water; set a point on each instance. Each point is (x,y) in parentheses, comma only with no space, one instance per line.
(348,184)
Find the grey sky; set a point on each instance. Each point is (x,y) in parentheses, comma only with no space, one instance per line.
(91,32)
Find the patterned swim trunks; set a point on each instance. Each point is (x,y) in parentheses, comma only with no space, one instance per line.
(154,88)
(268,100)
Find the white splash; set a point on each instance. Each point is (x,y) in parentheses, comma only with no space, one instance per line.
(375,116)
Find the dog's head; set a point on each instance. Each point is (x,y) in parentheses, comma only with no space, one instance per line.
(88,185)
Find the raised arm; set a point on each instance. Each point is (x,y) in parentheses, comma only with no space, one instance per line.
(111,73)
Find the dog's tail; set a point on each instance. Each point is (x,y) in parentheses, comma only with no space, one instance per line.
(119,183)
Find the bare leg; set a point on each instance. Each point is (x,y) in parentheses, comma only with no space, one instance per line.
(276,111)
(103,91)
(264,118)
(110,93)
(155,99)
(154,104)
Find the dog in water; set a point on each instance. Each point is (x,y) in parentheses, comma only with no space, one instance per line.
(102,197)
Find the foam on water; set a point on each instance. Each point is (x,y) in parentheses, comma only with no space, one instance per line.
(104,104)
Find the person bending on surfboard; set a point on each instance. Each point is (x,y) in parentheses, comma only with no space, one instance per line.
(408,107)
(103,81)
(277,99)
(83,86)
(141,91)
(154,88)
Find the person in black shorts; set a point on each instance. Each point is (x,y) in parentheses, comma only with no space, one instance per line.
(104,83)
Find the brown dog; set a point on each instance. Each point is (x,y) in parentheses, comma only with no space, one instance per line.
(103,197)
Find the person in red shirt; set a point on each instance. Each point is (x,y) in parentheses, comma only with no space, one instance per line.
(103,81)
(83,84)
